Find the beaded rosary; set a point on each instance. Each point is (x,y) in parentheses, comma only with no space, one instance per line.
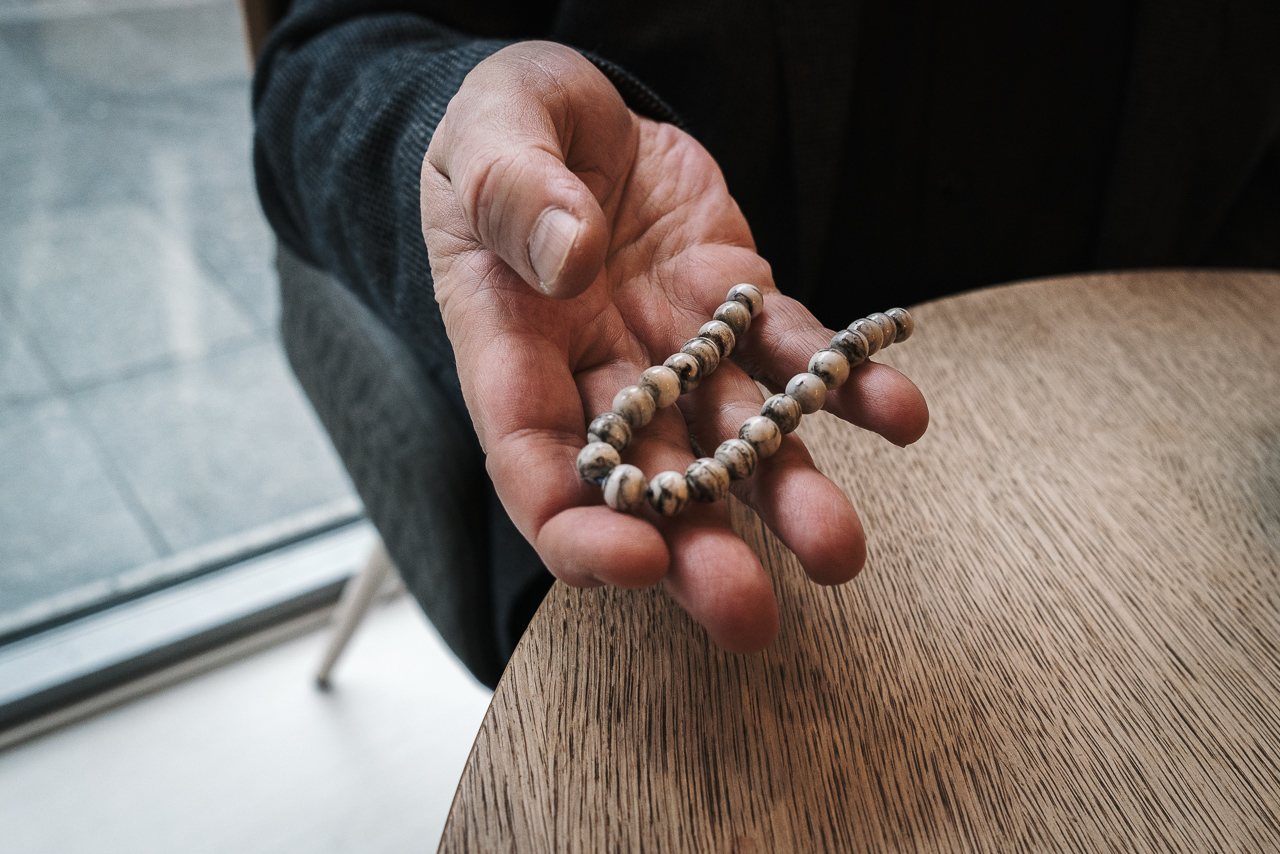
(707,479)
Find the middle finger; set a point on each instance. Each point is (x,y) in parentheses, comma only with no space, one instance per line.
(802,506)
(712,573)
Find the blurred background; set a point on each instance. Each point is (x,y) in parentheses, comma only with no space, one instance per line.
(155,448)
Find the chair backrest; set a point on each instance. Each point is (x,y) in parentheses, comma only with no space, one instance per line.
(259,17)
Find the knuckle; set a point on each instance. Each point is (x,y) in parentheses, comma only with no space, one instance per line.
(482,190)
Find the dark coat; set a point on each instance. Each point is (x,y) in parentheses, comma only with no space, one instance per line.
(348,93)
(766,87)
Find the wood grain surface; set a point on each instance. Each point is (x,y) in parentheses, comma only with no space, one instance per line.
(1067,636)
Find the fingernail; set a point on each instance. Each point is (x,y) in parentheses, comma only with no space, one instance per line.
(553,236)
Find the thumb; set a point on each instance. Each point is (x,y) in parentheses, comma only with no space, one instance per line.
(533,144)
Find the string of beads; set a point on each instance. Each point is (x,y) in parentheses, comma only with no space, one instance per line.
(707,479)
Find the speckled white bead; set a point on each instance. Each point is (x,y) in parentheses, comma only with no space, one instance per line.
(719,332)
(830,366)
(809,391)
(762,433)
(738,457)
(782,410)
(636,405)
(737,315)
(687,369)
(662,383)
(749,295)
(611,428)
(871,331)
(708,479)
(668,492)
(888,328)
(905,322)
(705,351)
(625,489)
(596,460)
(853,345)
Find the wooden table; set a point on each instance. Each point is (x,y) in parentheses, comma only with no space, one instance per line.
(1067,636)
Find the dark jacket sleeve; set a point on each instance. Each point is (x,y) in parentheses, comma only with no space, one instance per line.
(346,97)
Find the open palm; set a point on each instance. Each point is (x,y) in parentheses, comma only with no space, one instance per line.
(574,244)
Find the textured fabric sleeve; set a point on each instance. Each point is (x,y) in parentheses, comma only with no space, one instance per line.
(345,105)
(346,98)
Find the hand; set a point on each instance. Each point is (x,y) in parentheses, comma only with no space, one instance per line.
(574,244)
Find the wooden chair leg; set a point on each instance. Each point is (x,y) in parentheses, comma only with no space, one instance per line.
(356,598)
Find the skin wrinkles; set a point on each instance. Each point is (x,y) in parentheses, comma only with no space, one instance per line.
(683,312)
(717,418)
(568,118)
(550,84)
(668,206)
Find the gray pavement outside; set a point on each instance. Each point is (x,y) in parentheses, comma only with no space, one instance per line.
(147,412)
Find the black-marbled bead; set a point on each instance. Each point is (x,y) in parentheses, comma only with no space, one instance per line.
(853,345)
(719,332)
(705,351)
(687,369)
(668,492)
(905,322)
(749,295)
(738,456)
(809,391)
(762,433)
(782,410)
(662,383)
(596,460)
(830,366)
(737,315)
(708,479)
(636,405)
(611,428)
(625,489)
(871,331)
(888,329)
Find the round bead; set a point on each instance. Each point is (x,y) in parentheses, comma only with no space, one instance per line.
(708,479)
(904,321)
(596,460)
(830,366)
(738,457)
(783,411)
(625,489)
(871,331)
(662,383)
(749,295)
(762,433)
(668,492)
(610,428)
(719,332)
(687,369)
(853,345)
(737,315)
(636,405)
(887,327)
(705,351)
(809,391)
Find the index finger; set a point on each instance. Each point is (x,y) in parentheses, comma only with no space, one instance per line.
(531,428)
